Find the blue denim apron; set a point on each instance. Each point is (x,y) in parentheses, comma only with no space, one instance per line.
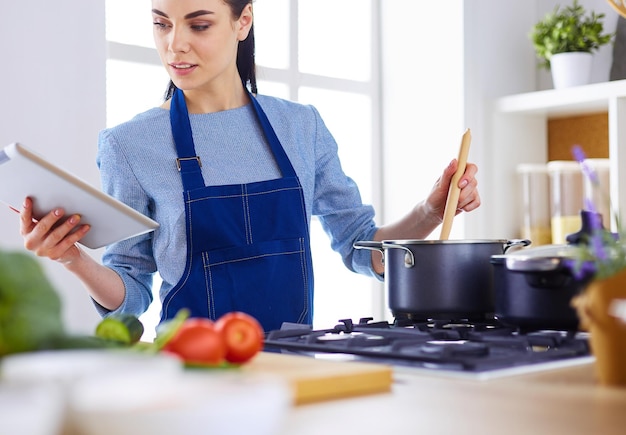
(248,245)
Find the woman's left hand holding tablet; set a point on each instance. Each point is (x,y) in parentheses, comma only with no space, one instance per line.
(52,236)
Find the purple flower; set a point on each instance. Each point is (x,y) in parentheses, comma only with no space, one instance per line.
(578,153)
(597,246)
(589,205)
(581,270)
(601,253)
(595,222)
(580,157)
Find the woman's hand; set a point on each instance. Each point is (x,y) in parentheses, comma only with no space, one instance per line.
(469,198)
(52,235)
(428,214)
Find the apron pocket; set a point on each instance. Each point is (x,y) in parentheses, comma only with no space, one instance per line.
(267,280)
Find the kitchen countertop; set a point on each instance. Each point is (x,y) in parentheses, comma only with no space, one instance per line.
(559,401)
(556,401)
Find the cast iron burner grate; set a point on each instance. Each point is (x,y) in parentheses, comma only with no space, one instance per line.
(457,345)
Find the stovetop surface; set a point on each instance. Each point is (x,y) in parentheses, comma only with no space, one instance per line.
(453,346)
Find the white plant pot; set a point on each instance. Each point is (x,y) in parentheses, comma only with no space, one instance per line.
(571,69)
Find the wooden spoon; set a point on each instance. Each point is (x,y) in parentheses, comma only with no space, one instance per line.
(619,6)
(454,191)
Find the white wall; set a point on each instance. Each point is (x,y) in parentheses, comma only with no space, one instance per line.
(422,80)
(428,102)
(53,75)
(499,60)
(442,63)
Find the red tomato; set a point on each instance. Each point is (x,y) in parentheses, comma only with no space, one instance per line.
(242,334)
(198,342)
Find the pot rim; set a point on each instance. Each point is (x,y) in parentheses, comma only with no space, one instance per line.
(539,259)
(445,242)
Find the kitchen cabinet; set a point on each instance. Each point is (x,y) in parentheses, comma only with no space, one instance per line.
(519,135)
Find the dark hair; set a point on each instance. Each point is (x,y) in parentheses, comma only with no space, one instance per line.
(245,53)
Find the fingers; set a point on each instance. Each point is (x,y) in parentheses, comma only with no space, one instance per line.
(63,239)
(53,235)
(26,217)
(448,172)
(469,198)
(469,175)
(469,204)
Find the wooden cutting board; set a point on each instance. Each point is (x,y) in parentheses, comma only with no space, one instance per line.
(314,380)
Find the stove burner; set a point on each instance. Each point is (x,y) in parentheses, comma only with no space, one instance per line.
(455,349)
(355,339)
(444,344)
(457,325)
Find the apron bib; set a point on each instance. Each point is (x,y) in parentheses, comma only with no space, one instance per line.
(248,246)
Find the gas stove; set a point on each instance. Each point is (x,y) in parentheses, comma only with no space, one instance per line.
(476,349)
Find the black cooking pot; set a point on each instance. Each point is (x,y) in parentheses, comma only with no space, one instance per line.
(440,279)
(534,287)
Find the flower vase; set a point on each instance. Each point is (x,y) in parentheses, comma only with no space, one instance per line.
(602,311)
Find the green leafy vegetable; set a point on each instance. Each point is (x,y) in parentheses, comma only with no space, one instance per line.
(168,329)
(30,309)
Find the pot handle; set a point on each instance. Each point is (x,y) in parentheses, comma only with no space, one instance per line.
(371,246)
(409,259)
(515,243)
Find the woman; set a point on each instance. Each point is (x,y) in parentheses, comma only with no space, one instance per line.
(233,180)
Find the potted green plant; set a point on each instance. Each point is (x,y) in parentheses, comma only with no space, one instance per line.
(569,34)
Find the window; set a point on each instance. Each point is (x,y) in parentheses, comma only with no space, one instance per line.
(336,70)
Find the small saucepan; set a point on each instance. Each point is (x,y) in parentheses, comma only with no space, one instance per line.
(534,287)
(440,279)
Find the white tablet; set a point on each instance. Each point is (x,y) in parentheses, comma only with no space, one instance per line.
(26,174)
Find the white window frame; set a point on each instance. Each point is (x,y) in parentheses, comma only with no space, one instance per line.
(295,79)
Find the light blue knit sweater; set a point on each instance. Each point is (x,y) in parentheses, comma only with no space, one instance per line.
(137,162)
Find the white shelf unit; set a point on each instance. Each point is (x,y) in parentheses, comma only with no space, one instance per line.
(519,135)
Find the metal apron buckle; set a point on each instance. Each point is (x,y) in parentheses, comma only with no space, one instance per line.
(179,159)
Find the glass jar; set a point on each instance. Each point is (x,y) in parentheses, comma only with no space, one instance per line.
(566,198)
(599,194)
(535,200)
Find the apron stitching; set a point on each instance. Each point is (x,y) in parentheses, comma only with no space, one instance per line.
(209,286)
(249,220)
(254,257)
(246,213)
(303,208)
(190,226)
(186,272)
(205,198)
(305,309)
(243,210)
(180,285)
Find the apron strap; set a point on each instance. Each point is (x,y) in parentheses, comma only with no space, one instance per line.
(280,155)
(188,162)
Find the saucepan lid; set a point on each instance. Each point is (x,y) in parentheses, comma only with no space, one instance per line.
(537,259)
